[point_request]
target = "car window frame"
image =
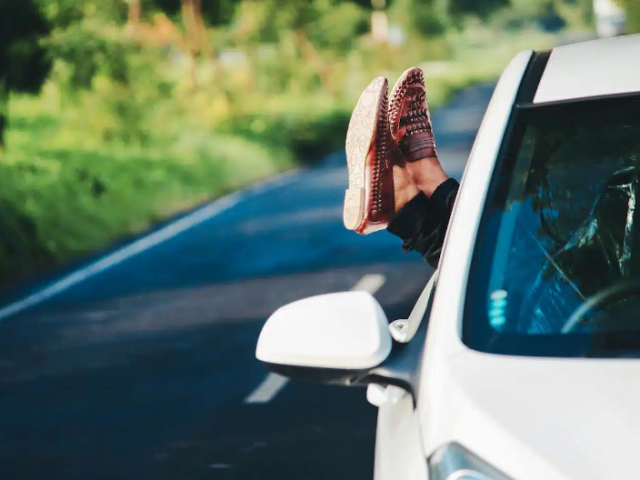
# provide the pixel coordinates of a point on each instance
(559, 345)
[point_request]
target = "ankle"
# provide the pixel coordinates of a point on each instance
(427, 174)
(405, 196)
(404, 188)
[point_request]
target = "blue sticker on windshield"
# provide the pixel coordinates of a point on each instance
(498, 305)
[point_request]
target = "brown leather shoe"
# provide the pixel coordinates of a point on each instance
(409, 119)
(369, 201)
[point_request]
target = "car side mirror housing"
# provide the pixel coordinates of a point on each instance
(333, 338)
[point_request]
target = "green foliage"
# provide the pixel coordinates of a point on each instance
(88, 47)
(546, 15)
(586, 11)
(256, 20)
(60, 199)
(632, 11)
(215, 13)
(337, 27)
(482, 9)
(309, 136)
(549, 19)
(427, 18)
(65, 13)
(24, 62)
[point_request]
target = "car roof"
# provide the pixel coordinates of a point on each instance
(591, 69)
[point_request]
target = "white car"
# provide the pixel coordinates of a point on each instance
(521, 359)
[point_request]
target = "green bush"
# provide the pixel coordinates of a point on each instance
(632, 11)
(307, 135)
(61, 201)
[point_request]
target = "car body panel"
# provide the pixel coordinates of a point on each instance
(546, 418)
(531, 418)
(591, 69)
(459, 414)
(399, 452)
(524, 416)
(443, 337)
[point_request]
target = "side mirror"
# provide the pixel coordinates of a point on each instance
(334, 338)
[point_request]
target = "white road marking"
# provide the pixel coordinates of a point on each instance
(370, 283)
(169, 231)
(269, 388)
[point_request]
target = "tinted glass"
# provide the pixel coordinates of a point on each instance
(556, 269)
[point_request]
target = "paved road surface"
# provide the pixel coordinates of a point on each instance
(142, 366)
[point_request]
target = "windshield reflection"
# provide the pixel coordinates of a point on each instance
(562, 228)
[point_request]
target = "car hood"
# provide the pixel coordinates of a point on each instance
(543, 418)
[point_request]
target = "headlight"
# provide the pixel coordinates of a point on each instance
(453, 462)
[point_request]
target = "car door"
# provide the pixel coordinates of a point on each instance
(398, 450)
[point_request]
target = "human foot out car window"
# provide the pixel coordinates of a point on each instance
(557, 263)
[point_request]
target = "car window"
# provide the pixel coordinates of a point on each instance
(558, 251)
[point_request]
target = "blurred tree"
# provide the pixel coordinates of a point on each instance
(64, 13)
(427, 18)
(214, 12)
(549, 20)
(632, 12)
(257, 25)
(156, 26)
(135, 12)
(482, 9)
(87, 37)
(586, 9)
(335, 27)
(196, 34)
(369, 4)
(317, 24)
(24, 65)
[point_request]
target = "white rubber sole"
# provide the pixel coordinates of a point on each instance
(361, 134)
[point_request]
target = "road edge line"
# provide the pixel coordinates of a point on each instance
(169, 231)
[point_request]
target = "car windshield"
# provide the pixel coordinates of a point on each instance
(556, 269)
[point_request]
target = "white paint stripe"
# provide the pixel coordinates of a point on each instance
(169, 231)
(268, 389)
(370, 283)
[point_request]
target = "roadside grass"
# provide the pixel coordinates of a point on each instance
(59, 201)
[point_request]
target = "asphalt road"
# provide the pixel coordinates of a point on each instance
(140, 363)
